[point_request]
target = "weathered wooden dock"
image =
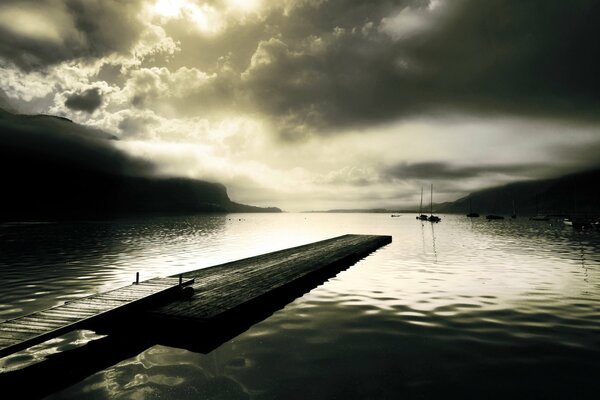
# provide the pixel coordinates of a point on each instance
(252, 286)
(223, 289)
(23, 332)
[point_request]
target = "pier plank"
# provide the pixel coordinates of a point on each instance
(19, 333)
(39, 323)
(44, 317)
(13, 336)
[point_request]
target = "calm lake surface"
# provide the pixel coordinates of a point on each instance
(460, 309)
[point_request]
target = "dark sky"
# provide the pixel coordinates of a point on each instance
(319, 104)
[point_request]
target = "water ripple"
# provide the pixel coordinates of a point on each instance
(467, 308)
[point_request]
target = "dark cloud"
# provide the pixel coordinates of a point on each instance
(88, 100)
(533, 58)
(447, 171)
(46, 32)
(341, 88)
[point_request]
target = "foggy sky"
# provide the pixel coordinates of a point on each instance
(316, 104)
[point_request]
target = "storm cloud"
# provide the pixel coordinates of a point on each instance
(442, 171)
(522, 58)
(87, 101)
(45, 32)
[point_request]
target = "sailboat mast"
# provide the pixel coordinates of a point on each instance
(431, 201)
(421, 206)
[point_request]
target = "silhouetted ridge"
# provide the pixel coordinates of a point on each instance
(53, 168)
(573, 194)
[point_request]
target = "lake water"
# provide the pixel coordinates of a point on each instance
(460, 309)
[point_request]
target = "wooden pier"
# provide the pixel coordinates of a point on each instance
(23, 332)
(224, 295)
(223, 289)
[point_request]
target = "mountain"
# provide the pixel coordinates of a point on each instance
(52, 168)
(573, 194)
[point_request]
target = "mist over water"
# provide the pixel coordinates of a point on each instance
(463, 308)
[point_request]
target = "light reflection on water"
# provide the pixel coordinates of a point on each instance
(473, 308)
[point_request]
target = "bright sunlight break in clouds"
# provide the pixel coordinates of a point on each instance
(318, 104)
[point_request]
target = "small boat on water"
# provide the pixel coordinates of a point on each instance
(432, 218)
(492, 216)
(472, 214)
(421, 216)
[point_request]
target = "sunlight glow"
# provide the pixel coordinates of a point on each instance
(204, 17)
(169, 8)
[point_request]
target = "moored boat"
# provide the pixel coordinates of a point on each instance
(421, 216)
(432, 218)
(472, 214)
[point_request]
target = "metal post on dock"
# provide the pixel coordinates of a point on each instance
(180, 279)
(137, 278)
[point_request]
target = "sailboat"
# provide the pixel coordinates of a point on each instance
(432, 218)
(421, 216)
(471, 214)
